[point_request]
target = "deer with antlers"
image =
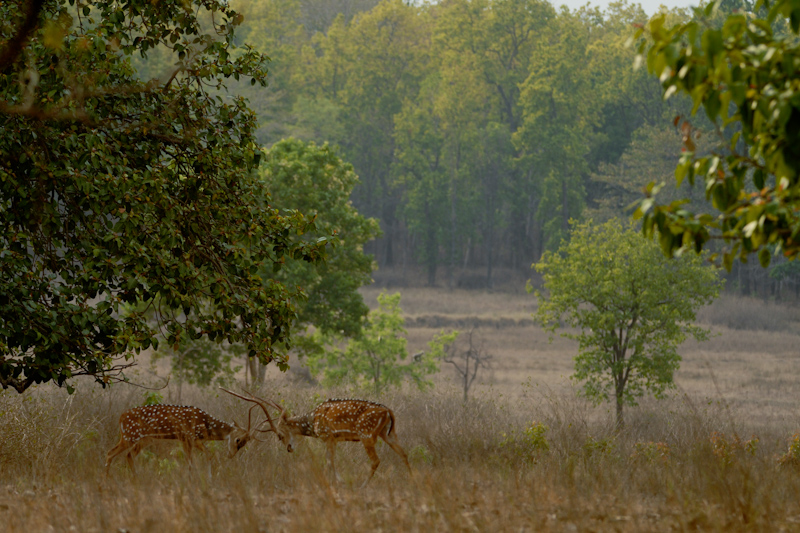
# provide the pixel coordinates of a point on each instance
(334, 421)
(189, 425)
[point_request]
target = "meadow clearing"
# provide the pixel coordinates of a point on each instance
(524, 454)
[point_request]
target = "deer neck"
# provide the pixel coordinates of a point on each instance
(218, 429)
(302, 425)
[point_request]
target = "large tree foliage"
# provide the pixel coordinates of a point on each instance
(367, 68)
(116, 192)
(560, 122)
(743, 71)
(422, 174)
(631, 307)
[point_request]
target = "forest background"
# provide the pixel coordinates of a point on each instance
(479, 128)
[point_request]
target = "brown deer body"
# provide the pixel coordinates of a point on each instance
(338, 420)
(189, 425)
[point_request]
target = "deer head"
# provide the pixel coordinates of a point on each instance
(283, 429)
(239, 436)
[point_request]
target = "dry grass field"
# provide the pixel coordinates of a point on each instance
(524, 454)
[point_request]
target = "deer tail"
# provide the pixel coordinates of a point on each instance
(390, 432)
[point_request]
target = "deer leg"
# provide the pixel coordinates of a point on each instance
(200, 446)
(369, 446)
(392, 441)
(132, 449)
(133, 452)
(188, 444)
(129, 458)
(331, 453)
(121, 447)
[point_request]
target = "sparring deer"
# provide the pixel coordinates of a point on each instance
(337, 420)
(190, 425)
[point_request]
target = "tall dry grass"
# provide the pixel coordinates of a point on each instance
(544, 461)
(514, 458)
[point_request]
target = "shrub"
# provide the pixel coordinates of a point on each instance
(530, 445)
(599, 447)
(651, 452)
(792, 456)
(729, 449)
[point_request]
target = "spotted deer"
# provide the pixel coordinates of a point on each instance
(189, 425)
(337, 420)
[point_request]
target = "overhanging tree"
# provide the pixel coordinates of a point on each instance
(742, 69)
(116, 192)
(631, 306)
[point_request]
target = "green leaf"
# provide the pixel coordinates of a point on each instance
(764, 257)
(712, 104)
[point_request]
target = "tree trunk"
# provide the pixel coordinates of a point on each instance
(431, 254)
(620, 417)
(466, 379)
(451, 264)
(489, 264)
(256, 370)
(453, 259)
(564, 207)
(489, 236)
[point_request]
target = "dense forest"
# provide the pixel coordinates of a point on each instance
(478, 128)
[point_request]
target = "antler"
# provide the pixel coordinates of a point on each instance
(263, 404)
(249, 416)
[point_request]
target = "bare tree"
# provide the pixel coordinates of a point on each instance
(468, 355)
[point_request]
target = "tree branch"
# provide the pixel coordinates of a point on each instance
(17, 43)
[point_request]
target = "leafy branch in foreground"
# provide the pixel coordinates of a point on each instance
(743, 70)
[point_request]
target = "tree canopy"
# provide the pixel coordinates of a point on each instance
(631, 306)
(117, 192)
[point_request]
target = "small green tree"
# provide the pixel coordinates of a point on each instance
(315, 181)
(375, 357)
(632, 307)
